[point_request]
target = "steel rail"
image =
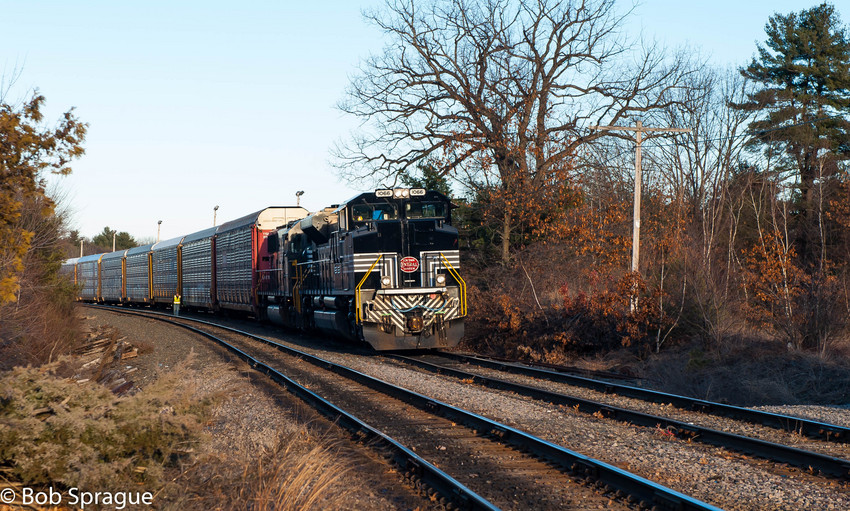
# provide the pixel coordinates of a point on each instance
(828, 465)
(408, 461)
(644, 491)
(567, 369)
(808, 427)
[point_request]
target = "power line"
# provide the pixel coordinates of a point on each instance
(752, 133)
(639, 130)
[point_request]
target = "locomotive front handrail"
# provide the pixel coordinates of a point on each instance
(460, 282)
(359, 285)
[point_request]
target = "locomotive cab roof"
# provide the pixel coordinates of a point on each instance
(416, 204)
(396, 194)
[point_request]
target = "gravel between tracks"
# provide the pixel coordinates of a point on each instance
(503, 475)
(838, 416)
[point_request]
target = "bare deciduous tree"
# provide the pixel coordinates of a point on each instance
(500, 91)
(697, 169)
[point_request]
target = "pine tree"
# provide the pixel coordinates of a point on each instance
(123, 240)
(803, 74)
(430, 177)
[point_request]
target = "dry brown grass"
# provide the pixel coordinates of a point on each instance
(296, 475)
(302, 470)
(255, 455)
(38, 329)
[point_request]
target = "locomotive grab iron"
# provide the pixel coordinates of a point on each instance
(383, 268)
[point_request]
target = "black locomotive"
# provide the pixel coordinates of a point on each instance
(382, 267)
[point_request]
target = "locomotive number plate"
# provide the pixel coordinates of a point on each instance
(409, 264)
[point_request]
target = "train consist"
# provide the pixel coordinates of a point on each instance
(380, 268)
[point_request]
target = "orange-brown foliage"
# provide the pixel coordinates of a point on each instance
(572, 293)
(624, 312)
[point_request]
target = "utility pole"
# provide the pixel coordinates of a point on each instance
(113, 240)
(639, 130)
(81, 248)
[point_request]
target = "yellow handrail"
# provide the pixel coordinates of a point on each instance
(460, 281)
(357, 289)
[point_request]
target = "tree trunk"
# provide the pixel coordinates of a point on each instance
(506, 239)
(806, 245)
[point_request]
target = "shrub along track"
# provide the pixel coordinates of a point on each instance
(484, 456)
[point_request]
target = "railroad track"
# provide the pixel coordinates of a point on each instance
(557, 368)
(811, 461)
(810, 428)
(493, 465)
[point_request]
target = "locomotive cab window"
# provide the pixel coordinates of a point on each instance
(362, 213)
(425, 210)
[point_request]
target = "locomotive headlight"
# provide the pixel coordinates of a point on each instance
(386, 281)
(441, 280)
(401, 193)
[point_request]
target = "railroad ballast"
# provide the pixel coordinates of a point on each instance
(383, 267)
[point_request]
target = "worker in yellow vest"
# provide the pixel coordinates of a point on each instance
(177, 300)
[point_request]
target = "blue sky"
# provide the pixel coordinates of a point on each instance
(196, 104)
